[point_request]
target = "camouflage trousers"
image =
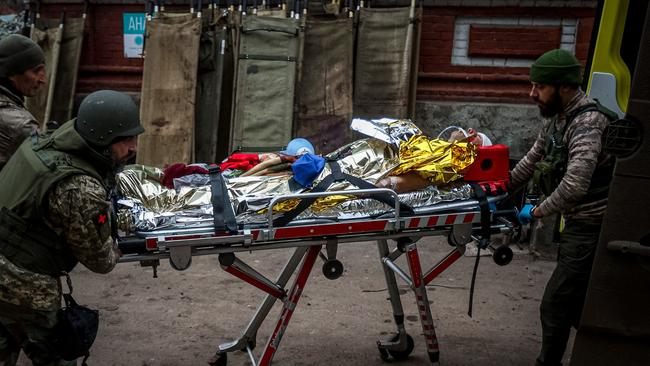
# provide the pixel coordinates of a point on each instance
(29, 330)
(565, 291)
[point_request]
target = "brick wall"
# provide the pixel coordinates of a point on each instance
(470, 50)
(102, 64)
(484, 53)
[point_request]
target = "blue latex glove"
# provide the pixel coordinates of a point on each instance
(525, 216)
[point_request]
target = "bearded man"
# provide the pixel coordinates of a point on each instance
(55, 211)
(570, 169)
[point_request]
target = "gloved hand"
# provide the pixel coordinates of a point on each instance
(525, 215)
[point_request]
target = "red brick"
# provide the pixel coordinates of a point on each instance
(512, 42)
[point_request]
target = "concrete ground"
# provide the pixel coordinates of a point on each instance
(180, 317)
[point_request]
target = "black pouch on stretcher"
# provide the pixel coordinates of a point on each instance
(551, 169)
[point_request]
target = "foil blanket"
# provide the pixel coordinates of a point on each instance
(397, 148)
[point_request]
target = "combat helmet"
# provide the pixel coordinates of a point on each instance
(107, 115)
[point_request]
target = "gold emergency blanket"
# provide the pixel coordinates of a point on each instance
(437, 160)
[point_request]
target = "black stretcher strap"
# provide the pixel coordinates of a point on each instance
(337, 176)
(483, 204)
(224, 217)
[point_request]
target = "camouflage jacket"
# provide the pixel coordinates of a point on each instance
(16, 123)
(74, 205)
(583, 139)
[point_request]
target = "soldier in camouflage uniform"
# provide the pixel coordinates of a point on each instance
(22, 74)
(573, 173)
(55, 212)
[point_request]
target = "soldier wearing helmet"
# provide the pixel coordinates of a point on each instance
(56, 212)
(572, 172)
(22, 74)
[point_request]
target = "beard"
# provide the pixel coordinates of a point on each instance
(552, 107)
(118, 164)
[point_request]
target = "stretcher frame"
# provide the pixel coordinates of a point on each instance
(459, 220)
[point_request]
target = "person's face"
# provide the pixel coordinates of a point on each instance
(548, 99)
(30, 81)
(123, 150)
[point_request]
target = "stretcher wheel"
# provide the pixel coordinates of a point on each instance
(502, 255)
(386, 354)
(180, 267)
(451, 240)
(402, 243)
(219, 359)
(332, 269)
(383, 353)
(251, 344)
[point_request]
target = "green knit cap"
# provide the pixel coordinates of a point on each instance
(19, 54)
(556, 67)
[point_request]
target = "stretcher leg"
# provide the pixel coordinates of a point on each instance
(289, 305)
(236, 267)
(399, 343)
(248, 338)
(444, 263)
(419, 286)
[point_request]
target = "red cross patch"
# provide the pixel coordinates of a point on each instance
(101, 219)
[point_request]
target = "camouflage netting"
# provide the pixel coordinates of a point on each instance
(9, 24)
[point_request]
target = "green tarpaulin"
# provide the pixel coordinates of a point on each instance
(325, 88)
(67, 68)
(169, 89)
(385, 59)
(269, 50)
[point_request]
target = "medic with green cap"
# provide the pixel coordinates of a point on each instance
(22, 74)
(572, 174)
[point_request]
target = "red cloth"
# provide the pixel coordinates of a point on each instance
(240, 161)
(179, 170)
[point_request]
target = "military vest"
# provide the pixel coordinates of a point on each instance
(551, 169)
(38, 164)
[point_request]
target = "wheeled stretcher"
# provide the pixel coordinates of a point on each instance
(463, 221)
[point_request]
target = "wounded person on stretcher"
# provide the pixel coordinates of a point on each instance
(415, 164)
(410, 163)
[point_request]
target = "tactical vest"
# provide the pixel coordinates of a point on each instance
(32, 172)
(551, 169)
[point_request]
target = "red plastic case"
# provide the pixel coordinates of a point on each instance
(491, 164)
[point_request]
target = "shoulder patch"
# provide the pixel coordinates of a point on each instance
(102, 218)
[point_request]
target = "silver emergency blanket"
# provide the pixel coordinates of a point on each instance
(368, 207)
(150, 206)
(147, 205)
(389, 130)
